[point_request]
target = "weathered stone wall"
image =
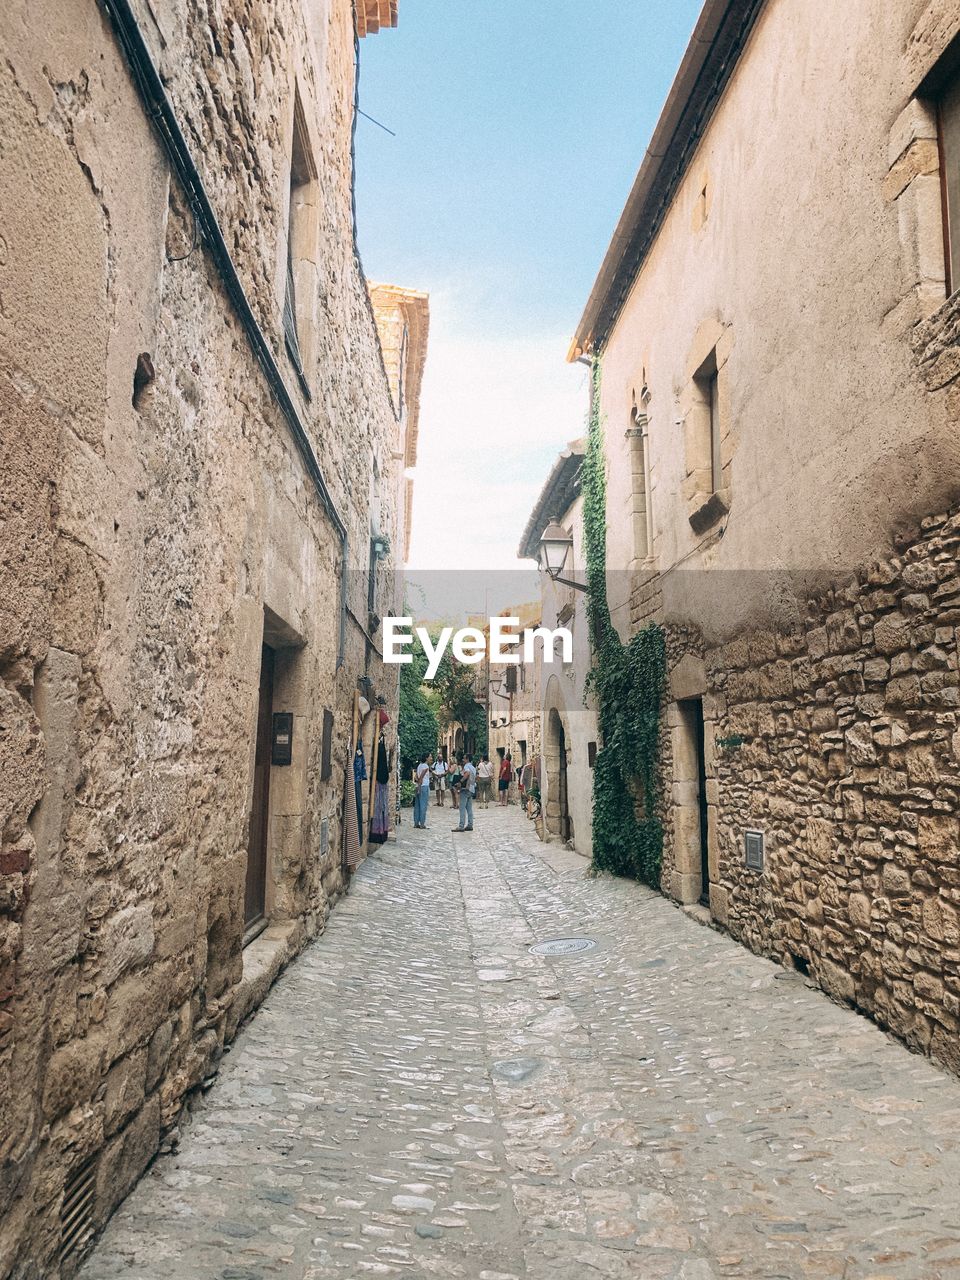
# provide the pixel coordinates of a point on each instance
(824, 318)
(158, 525)
(850, 765)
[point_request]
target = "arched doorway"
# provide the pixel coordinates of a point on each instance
(558, 819)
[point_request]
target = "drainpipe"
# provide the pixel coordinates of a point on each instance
(160, 110)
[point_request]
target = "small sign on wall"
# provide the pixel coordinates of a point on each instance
(282, 742)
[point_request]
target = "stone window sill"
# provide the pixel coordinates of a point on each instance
(706, 509)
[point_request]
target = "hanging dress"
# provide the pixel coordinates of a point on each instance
(380, 827)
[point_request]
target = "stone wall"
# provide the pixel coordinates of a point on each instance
(839, 739)
(158, 526)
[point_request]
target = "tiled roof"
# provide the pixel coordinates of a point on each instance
(374, 14)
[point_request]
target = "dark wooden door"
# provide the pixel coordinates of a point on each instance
(256, 885)
(562, 787)
(697, 707)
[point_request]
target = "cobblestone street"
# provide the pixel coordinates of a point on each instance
(420, 1096)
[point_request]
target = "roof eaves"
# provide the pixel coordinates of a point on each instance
(562, 486)
(714, 50)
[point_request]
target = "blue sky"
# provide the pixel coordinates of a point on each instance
(520, 127)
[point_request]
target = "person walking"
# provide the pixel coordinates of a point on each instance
(484, 781)
(506, 773)
(468, 789)
(440, 779)
(421, 799)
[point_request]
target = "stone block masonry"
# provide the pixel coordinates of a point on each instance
(839, 740)
(160, 526)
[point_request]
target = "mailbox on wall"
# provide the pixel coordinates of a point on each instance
(282, 742)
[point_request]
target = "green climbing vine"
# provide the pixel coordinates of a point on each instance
(627, 681)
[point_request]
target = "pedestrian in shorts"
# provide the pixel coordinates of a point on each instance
(484, 781)
(440, 779)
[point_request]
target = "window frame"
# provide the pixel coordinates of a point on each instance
(302, 239)
(950, 210)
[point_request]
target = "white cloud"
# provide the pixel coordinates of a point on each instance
(495, 412)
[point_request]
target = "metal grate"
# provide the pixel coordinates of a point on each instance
(753, 850)
(562, 946)
(76, 1212)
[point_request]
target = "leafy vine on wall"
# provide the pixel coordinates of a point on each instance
(627, 681)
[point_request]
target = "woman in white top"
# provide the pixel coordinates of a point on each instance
(440, 779)
(421, 777)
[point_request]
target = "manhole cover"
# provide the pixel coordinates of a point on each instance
(562, 946)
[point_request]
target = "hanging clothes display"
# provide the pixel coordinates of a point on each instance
(359, 777)
(380, 826)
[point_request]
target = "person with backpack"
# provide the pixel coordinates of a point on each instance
(440, 778)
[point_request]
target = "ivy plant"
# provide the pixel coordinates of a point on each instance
(627, 681)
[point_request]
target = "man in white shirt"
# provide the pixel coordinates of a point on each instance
(440, 779)
(468, 789)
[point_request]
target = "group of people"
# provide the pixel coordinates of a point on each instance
(464, 780)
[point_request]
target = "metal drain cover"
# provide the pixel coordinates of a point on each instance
(562, 946)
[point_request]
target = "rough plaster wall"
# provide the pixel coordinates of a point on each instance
(802, 256)
(840, 673)
(140, 547)
(562, 688)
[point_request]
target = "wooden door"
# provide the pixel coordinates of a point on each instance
(256, 885)
(562, 787)
(698, 728)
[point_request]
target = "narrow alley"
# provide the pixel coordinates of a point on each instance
(421, 1096)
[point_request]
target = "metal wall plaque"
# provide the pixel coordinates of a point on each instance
(282, 741)
(753, 842)
(324, 836)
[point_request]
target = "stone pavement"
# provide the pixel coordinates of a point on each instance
(422, 1097)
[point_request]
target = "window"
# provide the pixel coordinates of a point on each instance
(707, 379)
(708, 435)
(372, 576)
(948, 121)
(326, 749)
(300, 283)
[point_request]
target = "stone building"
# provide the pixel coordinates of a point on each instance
(568, 721)
(513, 699)
(777, 328)
(203, 508)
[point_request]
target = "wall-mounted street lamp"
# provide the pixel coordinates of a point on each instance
(496, 686)
(555, 544)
